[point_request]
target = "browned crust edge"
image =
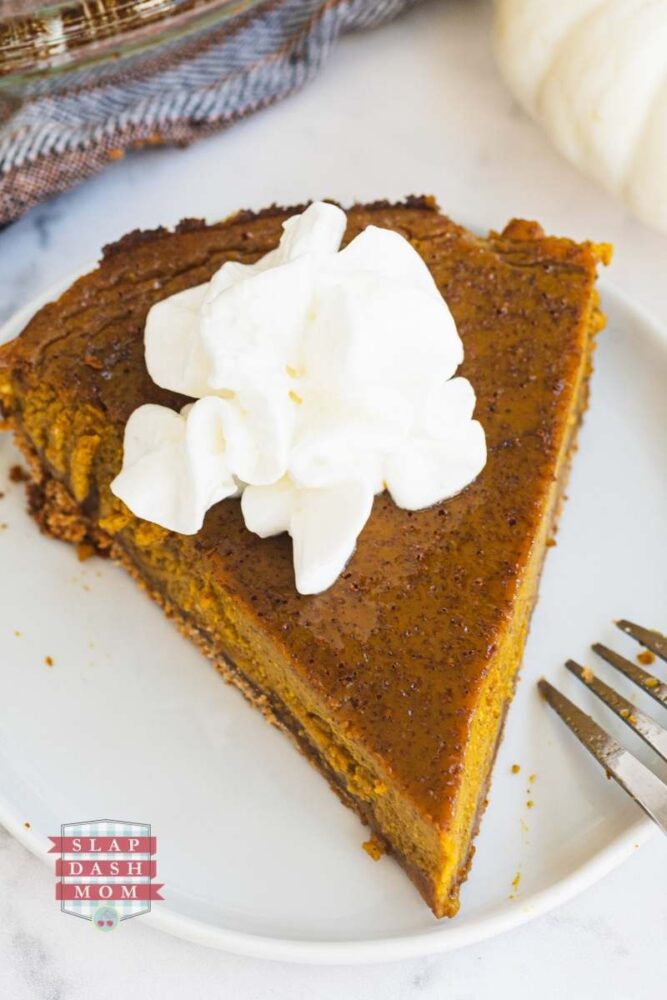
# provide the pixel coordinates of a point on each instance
(421, 202)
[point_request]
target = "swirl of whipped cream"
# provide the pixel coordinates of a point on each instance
(321, 377)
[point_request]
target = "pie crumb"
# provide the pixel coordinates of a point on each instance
(587, 675)
(84, 551)
(17, 474)
(646, 657)
(27, 824)
(373, 848)
(48, 660)
(515, 768)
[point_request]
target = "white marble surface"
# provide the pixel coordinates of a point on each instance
(416, 106)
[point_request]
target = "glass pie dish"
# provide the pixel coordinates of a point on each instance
(46, 47)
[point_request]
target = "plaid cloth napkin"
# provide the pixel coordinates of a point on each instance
(65, 134)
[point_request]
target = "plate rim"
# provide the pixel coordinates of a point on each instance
(445, 936)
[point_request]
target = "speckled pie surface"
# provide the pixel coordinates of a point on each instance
(399, 650)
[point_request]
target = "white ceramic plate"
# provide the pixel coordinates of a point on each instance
(257, 855)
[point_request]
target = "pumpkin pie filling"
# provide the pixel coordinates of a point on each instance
(395, 681)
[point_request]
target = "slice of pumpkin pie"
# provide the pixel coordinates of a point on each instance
(386, 634)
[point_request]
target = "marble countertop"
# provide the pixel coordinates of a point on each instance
(416, 106)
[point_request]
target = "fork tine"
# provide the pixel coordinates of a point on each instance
(647, 682)
(647, 637)
(641, 784)
(639, 721)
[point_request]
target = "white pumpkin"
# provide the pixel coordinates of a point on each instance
(594, 73)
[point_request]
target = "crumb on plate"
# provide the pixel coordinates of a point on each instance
(373, 848)
(84, 550)
(17, 474)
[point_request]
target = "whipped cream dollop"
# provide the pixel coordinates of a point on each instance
(321, 377)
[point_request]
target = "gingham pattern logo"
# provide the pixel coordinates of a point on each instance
(105, 870)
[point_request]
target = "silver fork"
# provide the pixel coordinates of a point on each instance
(639, 782)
